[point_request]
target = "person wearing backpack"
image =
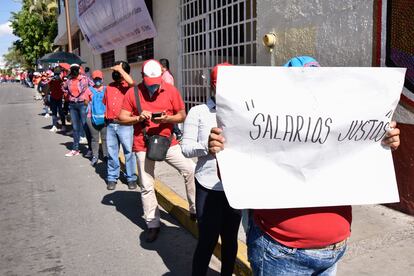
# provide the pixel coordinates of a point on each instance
(96, 117)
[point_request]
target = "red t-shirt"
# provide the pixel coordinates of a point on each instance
(167, 99)
(113, 98)
(74, 87)
(306, 227)
(55, 87)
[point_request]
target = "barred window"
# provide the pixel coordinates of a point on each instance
(108, 59)
(140, 51)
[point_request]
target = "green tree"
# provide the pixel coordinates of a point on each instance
(36, 27)
(15, 59)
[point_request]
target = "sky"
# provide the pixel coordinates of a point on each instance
(6, 36)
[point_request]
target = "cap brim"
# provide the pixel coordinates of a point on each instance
(152, 81)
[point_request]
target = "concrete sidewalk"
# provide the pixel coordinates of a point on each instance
(382, 240)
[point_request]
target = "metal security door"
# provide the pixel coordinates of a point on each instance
(211, 32)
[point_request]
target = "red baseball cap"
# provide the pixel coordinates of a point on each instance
(64, 65)
(152, 72)
(214, 71)
(97, 74)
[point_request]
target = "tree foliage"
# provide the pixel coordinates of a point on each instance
(15, 59)
(36, 27)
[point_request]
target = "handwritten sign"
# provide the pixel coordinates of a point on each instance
(306, 137)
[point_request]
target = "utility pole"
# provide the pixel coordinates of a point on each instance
(69, 33)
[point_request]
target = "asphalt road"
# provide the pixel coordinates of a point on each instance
(56, 216)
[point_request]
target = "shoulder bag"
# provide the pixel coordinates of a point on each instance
(157, 145)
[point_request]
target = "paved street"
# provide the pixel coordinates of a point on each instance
(56, 216)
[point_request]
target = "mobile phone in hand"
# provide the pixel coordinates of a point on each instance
(156, 115)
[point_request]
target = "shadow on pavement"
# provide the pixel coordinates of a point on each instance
(101, 170)
(174, 246)
(68, 131)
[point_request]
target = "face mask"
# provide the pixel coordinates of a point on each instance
(116, 76)
(74, 72)
(152, 88)
(97, 82)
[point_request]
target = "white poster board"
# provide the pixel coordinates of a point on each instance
(306, 137)
(111, 24)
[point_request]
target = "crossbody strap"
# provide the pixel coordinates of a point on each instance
(139, 108)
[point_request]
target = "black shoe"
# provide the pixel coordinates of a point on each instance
(94, 161)
(132, 185)
(152, 234)
(193, 217)
(111, 185)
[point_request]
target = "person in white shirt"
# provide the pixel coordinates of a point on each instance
(215, 217)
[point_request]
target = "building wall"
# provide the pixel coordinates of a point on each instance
(337, 33)
(166, 21)
(61, 38)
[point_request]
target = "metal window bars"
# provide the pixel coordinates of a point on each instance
(211, 32)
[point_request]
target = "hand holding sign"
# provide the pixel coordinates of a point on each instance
(313, 139)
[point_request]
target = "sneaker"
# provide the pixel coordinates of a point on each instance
(53, 129)
(111, 185)
(72, 153)
(47, 115)
(132, 185)
(89, 154)
(83, 141)
(94, 161)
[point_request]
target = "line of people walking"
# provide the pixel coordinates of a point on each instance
(141, 118)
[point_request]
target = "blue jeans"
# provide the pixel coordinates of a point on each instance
(78, 115)
(268, 257)
(123, 134)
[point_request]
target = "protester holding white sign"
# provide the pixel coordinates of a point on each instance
(215, 216)
(305, 241)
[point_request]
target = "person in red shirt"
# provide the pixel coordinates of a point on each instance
(159, 97)
(116, 132)
(76, 88)
(299, 241)
(36, 80)
(55, 94)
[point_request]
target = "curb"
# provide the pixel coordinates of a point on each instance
(177, 207)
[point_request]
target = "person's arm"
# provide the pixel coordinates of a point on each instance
(177, 118)
(190, 145)
(127, 117)
(124, 74)
(87, 96)
(392, 137)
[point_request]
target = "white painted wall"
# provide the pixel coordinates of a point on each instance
(166, 21)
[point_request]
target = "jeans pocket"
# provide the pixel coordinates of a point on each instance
(276, 250)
